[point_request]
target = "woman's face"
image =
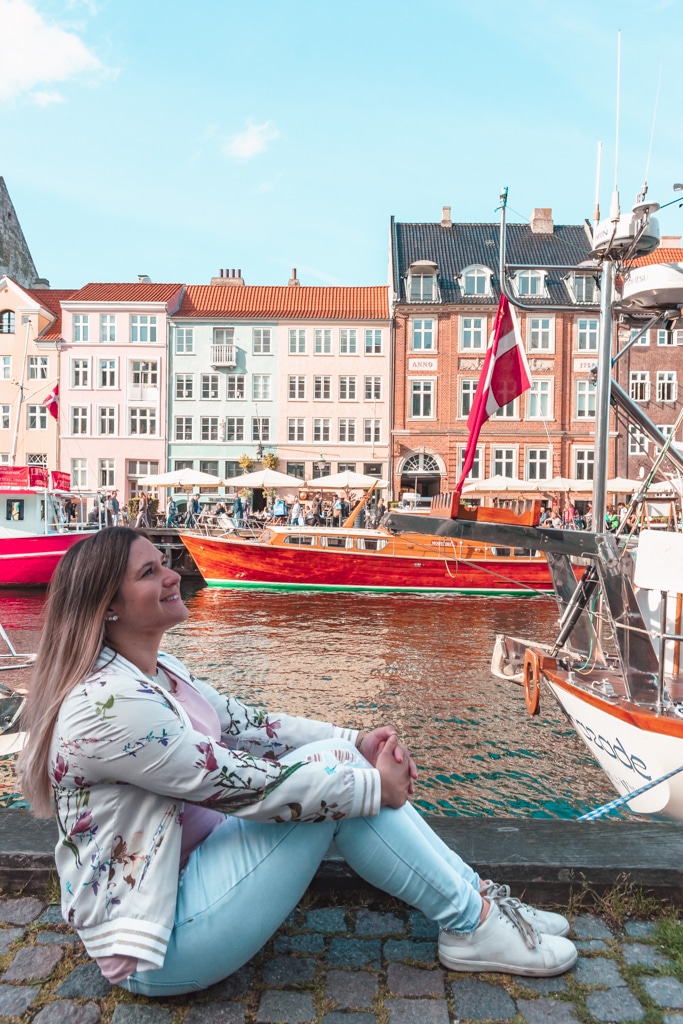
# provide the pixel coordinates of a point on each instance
(148, 600)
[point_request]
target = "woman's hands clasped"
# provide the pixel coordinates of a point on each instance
(397, 770)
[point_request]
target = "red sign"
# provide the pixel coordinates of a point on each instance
(61, 481)
(23, 476)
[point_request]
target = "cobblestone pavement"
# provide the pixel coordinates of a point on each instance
(342, 964)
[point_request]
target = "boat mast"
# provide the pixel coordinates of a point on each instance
(602, 405)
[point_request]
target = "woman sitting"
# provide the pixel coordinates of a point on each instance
(190, 825)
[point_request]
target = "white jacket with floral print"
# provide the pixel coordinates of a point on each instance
(125, 757)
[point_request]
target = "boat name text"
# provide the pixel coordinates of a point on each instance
(614, 750)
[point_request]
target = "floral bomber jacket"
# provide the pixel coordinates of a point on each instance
(125, 758)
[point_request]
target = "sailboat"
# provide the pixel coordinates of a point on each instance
(615, 666)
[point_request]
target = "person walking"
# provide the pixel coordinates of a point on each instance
(172, 515)
(113, 508)
(178, 807)
(142, 520)
(237, 511)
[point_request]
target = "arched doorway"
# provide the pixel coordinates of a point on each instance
(422, 473)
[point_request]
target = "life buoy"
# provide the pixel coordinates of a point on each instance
(532, 677)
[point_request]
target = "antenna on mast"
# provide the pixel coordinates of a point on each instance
(641, 197)
(614, 209)
(596, 212)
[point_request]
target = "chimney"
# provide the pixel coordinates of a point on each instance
(446, 221)
(294, 281)
(670, 242)
(40, 282)
(144, 279)
(541, 221)
(228, 277)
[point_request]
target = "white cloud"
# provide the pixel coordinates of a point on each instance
(45, 99)
(252, 141)
(35, 53)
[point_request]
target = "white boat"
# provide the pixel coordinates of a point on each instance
(12, 697)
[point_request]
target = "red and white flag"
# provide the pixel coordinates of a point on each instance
(504, 376)
(52, 402)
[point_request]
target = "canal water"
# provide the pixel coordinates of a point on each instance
(419, 662)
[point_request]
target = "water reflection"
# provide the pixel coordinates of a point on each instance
(421, 662)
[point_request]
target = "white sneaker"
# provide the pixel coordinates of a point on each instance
(544, 921)
(506, 942)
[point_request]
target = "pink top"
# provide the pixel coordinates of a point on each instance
(198, 822)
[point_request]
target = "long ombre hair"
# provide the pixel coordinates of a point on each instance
(84, 584)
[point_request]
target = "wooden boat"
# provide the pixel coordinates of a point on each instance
(34, 533)
(382, 559)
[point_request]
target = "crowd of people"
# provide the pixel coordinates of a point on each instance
(570, 518)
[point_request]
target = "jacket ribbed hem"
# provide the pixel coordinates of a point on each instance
(128, 936)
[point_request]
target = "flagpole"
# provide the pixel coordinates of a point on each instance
(22, 387)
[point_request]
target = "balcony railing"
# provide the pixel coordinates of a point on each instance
(223, 355)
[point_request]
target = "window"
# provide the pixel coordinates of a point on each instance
(79, 473)
(540, 334)
(421, 394)
(540, 400)
(346, 467)
(322, 388)
(321, 430)
(80, 327)
(184, 340)
(323, 342)
(261, 341)
(107, 328)
(37, 367)
(423, 335)
(667, 386)
(209, 466)
(232, 469)
(143, 421)
(347, 389)
(183, 428)
(235, 386)
(209, 428)
(260, 387)
(80, 373)
(638, 442)
(373, 469)
(234, 428)
(107, 419)
(585, 288)
(584, 463)
(587, 335)
(473, 333)
(507, 412)
(373, 389)
(295, 429)
(373, 343)
(504, 462)
(639, 385)
(347, 431)
(476, 472)
(585, 399)
(538, 464)
(106, 474)
(476, 281)
(223, 336)
(644, 338)
(260, 428)
(107, 373)
(6, 367)
(529, 282)
(7, 322)
(209, 386)
(37, 418)
(321, 469)
(669, 337)
(372, 431)
(184, 385)
(296, 469)
(36, 459)
(138, 468)
(297, 387)
(467, 391)
(5, 417)
(143, 328)
(297, 341)
(422, 288)
(144, 374)
(348, 341)
(80, 414)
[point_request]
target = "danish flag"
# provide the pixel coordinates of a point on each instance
(52, 402)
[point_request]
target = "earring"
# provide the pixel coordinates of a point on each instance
(112, 618)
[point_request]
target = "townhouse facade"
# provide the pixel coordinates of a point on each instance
(446, 292)
(301, 372)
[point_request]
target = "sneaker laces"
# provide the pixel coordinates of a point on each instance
(510, 909)
(493, 890)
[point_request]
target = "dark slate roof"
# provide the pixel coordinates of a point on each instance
(463, 245)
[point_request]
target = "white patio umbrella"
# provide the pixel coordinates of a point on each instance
(347, 479)
(188, 479)
(266, 479)
(622, 485)
(501, 485)
(566, 483)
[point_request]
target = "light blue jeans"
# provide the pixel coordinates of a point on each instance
(246, 877)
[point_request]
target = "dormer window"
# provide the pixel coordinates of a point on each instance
(530, 282)
(584, 287)
(421, 282)
(476, 280)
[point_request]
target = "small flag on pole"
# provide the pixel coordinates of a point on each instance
(52, 402)
(504, 376)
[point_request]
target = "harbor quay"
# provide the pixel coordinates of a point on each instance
(348, 954)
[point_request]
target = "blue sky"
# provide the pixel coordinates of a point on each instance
(175, 139)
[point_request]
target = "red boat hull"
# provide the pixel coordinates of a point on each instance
(30, 561)
(240, 562)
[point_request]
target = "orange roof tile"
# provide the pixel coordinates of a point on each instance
(284, 302)
(658, 256)
(51, 299)
(125, 292)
